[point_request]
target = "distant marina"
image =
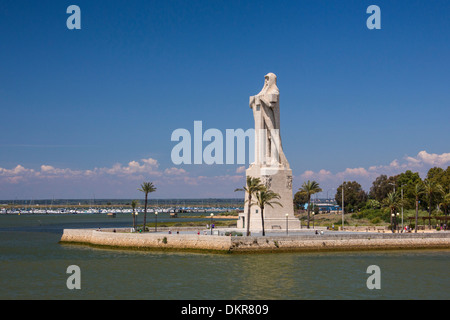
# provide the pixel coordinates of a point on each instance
(119, 206)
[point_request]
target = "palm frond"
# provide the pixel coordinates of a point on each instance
(309, 188)
(147, 187)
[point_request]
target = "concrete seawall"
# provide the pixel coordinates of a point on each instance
(327, 242)
(147, 240)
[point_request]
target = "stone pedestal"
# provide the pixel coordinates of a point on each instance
(279, 180)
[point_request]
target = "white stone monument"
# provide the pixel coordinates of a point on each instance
(270, 165)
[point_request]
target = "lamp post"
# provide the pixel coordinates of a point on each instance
(313, 220)
(392, 226)
(287, 215)
(343, 206)
(402, 204)
(156, 221)
(392, 184)
(328, 191)
(396, 221)
(212, 214)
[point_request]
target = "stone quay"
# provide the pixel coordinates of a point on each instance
(187, 240)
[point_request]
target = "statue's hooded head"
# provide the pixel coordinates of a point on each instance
(270, 84)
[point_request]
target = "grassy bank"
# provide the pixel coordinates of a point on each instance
(367, 217)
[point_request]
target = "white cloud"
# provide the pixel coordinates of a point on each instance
(170, 178)
(118, 175)
(394, 164)
(432, 159)
(18, 170)
(175, 171)
(308, 174)
(421, 163)
(52, 171)
(240, 169)
(354, 172)
(320, 176)
(146, 166)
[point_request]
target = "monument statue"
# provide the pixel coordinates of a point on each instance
(270, 164)
(266, 112)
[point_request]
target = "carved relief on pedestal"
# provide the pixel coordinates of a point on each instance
(289, 182)
(267, 181)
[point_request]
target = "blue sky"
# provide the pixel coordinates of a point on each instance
(355, 102)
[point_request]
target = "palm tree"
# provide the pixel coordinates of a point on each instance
(418, 190)
(392, 202)
(253, 185)
(266, 197)
(308, 189)
(431, 188)
(446, 202)
(146, 187)
(134, 204)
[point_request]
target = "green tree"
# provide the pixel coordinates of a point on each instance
(265, 197)
(393, 202)
(419, 189)
(407, 181)
(446, 202)
(355, 197)
(300, 200)
(436, 175)
(253, 185)
(440, 177)
(146, 188)
(372, 203)
(445, 181)
(134, 204)
(382, 186)
(432, 189)
(308, 189)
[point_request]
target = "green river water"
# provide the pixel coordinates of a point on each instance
(33, 266)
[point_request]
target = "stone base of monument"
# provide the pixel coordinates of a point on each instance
(279, 180)
(270, 224)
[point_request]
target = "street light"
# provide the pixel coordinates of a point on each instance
(156, 218)
(392, 222)
(211, 226)
(392, 184)
(396, 222)
(313, 219)
(343, 206)
(287, 215)
(328, 191)
(402, 204)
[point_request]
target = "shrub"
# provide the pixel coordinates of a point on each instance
(371, 214)
(375, 220)
(373, 204)
(234, 234)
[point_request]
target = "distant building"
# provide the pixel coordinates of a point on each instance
(324, 205)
